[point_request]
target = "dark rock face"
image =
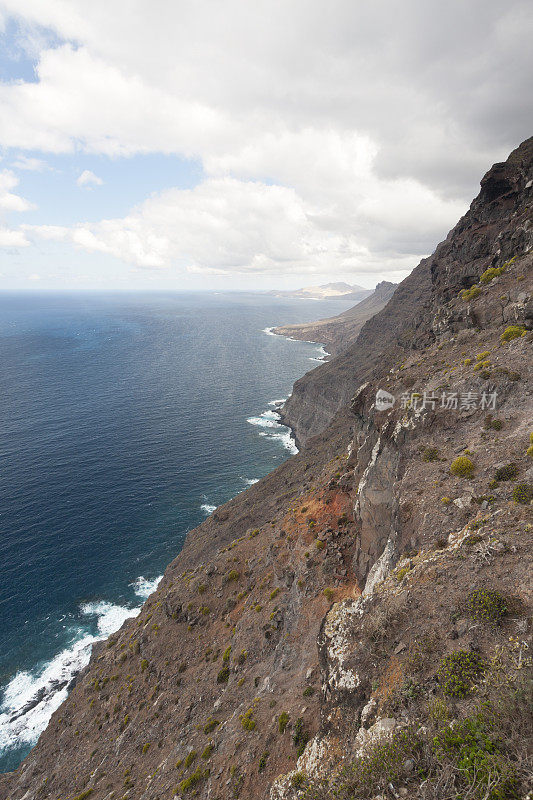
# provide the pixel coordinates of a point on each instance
(496, 227)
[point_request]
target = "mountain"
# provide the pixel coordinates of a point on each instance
(357, 623)
(323, 292)
(340, 331)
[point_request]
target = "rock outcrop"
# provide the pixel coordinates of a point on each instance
(348, 625)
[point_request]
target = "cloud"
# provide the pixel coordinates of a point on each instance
(30, 164)
(89, 179)
(348, 139)
(12, 238)
(228, 226)
(8, 200)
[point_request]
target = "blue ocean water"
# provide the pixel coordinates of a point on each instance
(125, 420)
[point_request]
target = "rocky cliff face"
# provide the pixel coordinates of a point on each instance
(337, 333)
(353, 624)
(496, 227)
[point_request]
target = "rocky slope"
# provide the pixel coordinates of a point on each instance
(340, 331)
(354, 624)
(495, 227)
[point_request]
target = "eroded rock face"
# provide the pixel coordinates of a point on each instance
(496, 228)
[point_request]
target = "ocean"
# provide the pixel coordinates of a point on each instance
(126, 419)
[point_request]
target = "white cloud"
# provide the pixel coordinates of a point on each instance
(30, 164)
(228, 226)
(89, 179)
(348, 138)
(12, 238)
(8, 200)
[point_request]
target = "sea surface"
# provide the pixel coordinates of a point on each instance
(125, 420)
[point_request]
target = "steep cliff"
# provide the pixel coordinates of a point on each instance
(494, 228)
(354, 623)
(337, 333)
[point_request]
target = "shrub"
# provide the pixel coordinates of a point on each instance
(401, 573)
(274, 593)
(430, 454)
(506, 473)
(470, 294)
(189, 758)
(320, 545)
(208, 750)
(328, 593)
(194, 779)
(262, 762)
(482, 356)
(462, 467)
(486, 606)
(446, 500)
(283, 720)
(210, 725)
(223, 675)
(146, 747)
(470, 748)
(298, 780)
(144, 664)
(529, 451)
(458, 671)
(226, 654)
(247, 720)
(308, 691)
(494, 424)
(512, 332)
(490, 274)
(202, 588)
(233, 575)
(300, 737)
(523, 494)
(241, 658)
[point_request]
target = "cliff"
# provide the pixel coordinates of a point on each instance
(356, 624)
(340, 331)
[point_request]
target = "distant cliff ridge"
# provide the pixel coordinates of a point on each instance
(324, 291)
(357, 624)
(337, 333)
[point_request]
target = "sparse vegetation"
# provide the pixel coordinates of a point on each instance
(458, 671)
(523, 494)
(462, 467)
(485, 605)
(506, 473)
(512, 332)
(283, 720)
(328, 593)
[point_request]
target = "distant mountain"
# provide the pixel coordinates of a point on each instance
(341, 331)
(324, 291)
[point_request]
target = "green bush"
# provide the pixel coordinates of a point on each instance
(523, 494)
(512, 332)
(247, 720)
(506, 473)
(210, 725)
(189, 758)
(308, 691)
(458, 671)
(208, 750)
(328, 593)
(469, 746)
(146, 747)
(490, 274)
(430, 454)
(462, 467)
(194, 779)
(283, 720)
(470, 294)
(300, 737)
(262, 762)
(485, 605)
(223, 675)
(233, 575)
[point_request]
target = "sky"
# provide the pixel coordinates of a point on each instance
(229, 144)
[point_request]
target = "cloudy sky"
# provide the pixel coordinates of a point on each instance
(248, 143)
